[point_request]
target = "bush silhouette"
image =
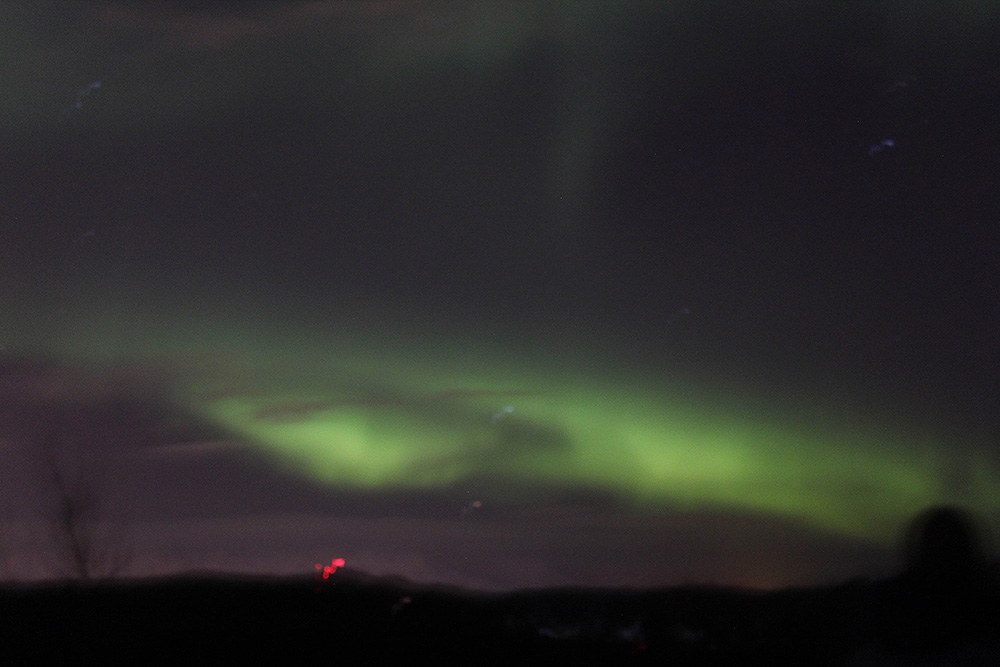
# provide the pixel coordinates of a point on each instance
(941, 595)
(943, 550)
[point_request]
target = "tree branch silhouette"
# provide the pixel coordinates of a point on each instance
(86, 542)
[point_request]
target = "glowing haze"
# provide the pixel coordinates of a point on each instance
(454, 413)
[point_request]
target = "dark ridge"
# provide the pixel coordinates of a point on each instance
(353, 617)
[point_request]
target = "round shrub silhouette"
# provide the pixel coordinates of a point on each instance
(943, 548)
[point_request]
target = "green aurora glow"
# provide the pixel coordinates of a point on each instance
(398, 419)
(395, 416)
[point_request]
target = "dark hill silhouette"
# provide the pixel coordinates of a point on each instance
(943, 605)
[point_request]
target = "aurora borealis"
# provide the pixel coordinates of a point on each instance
(423, 428)
(402, 282)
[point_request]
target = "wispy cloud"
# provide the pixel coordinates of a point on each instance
(199, 29)
(192, 449)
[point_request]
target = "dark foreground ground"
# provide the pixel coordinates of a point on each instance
(352, 618)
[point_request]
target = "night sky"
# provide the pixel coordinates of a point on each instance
(498, 294)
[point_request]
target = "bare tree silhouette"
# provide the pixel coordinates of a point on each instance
(88, 543)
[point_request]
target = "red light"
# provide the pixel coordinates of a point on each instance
(331, 568)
